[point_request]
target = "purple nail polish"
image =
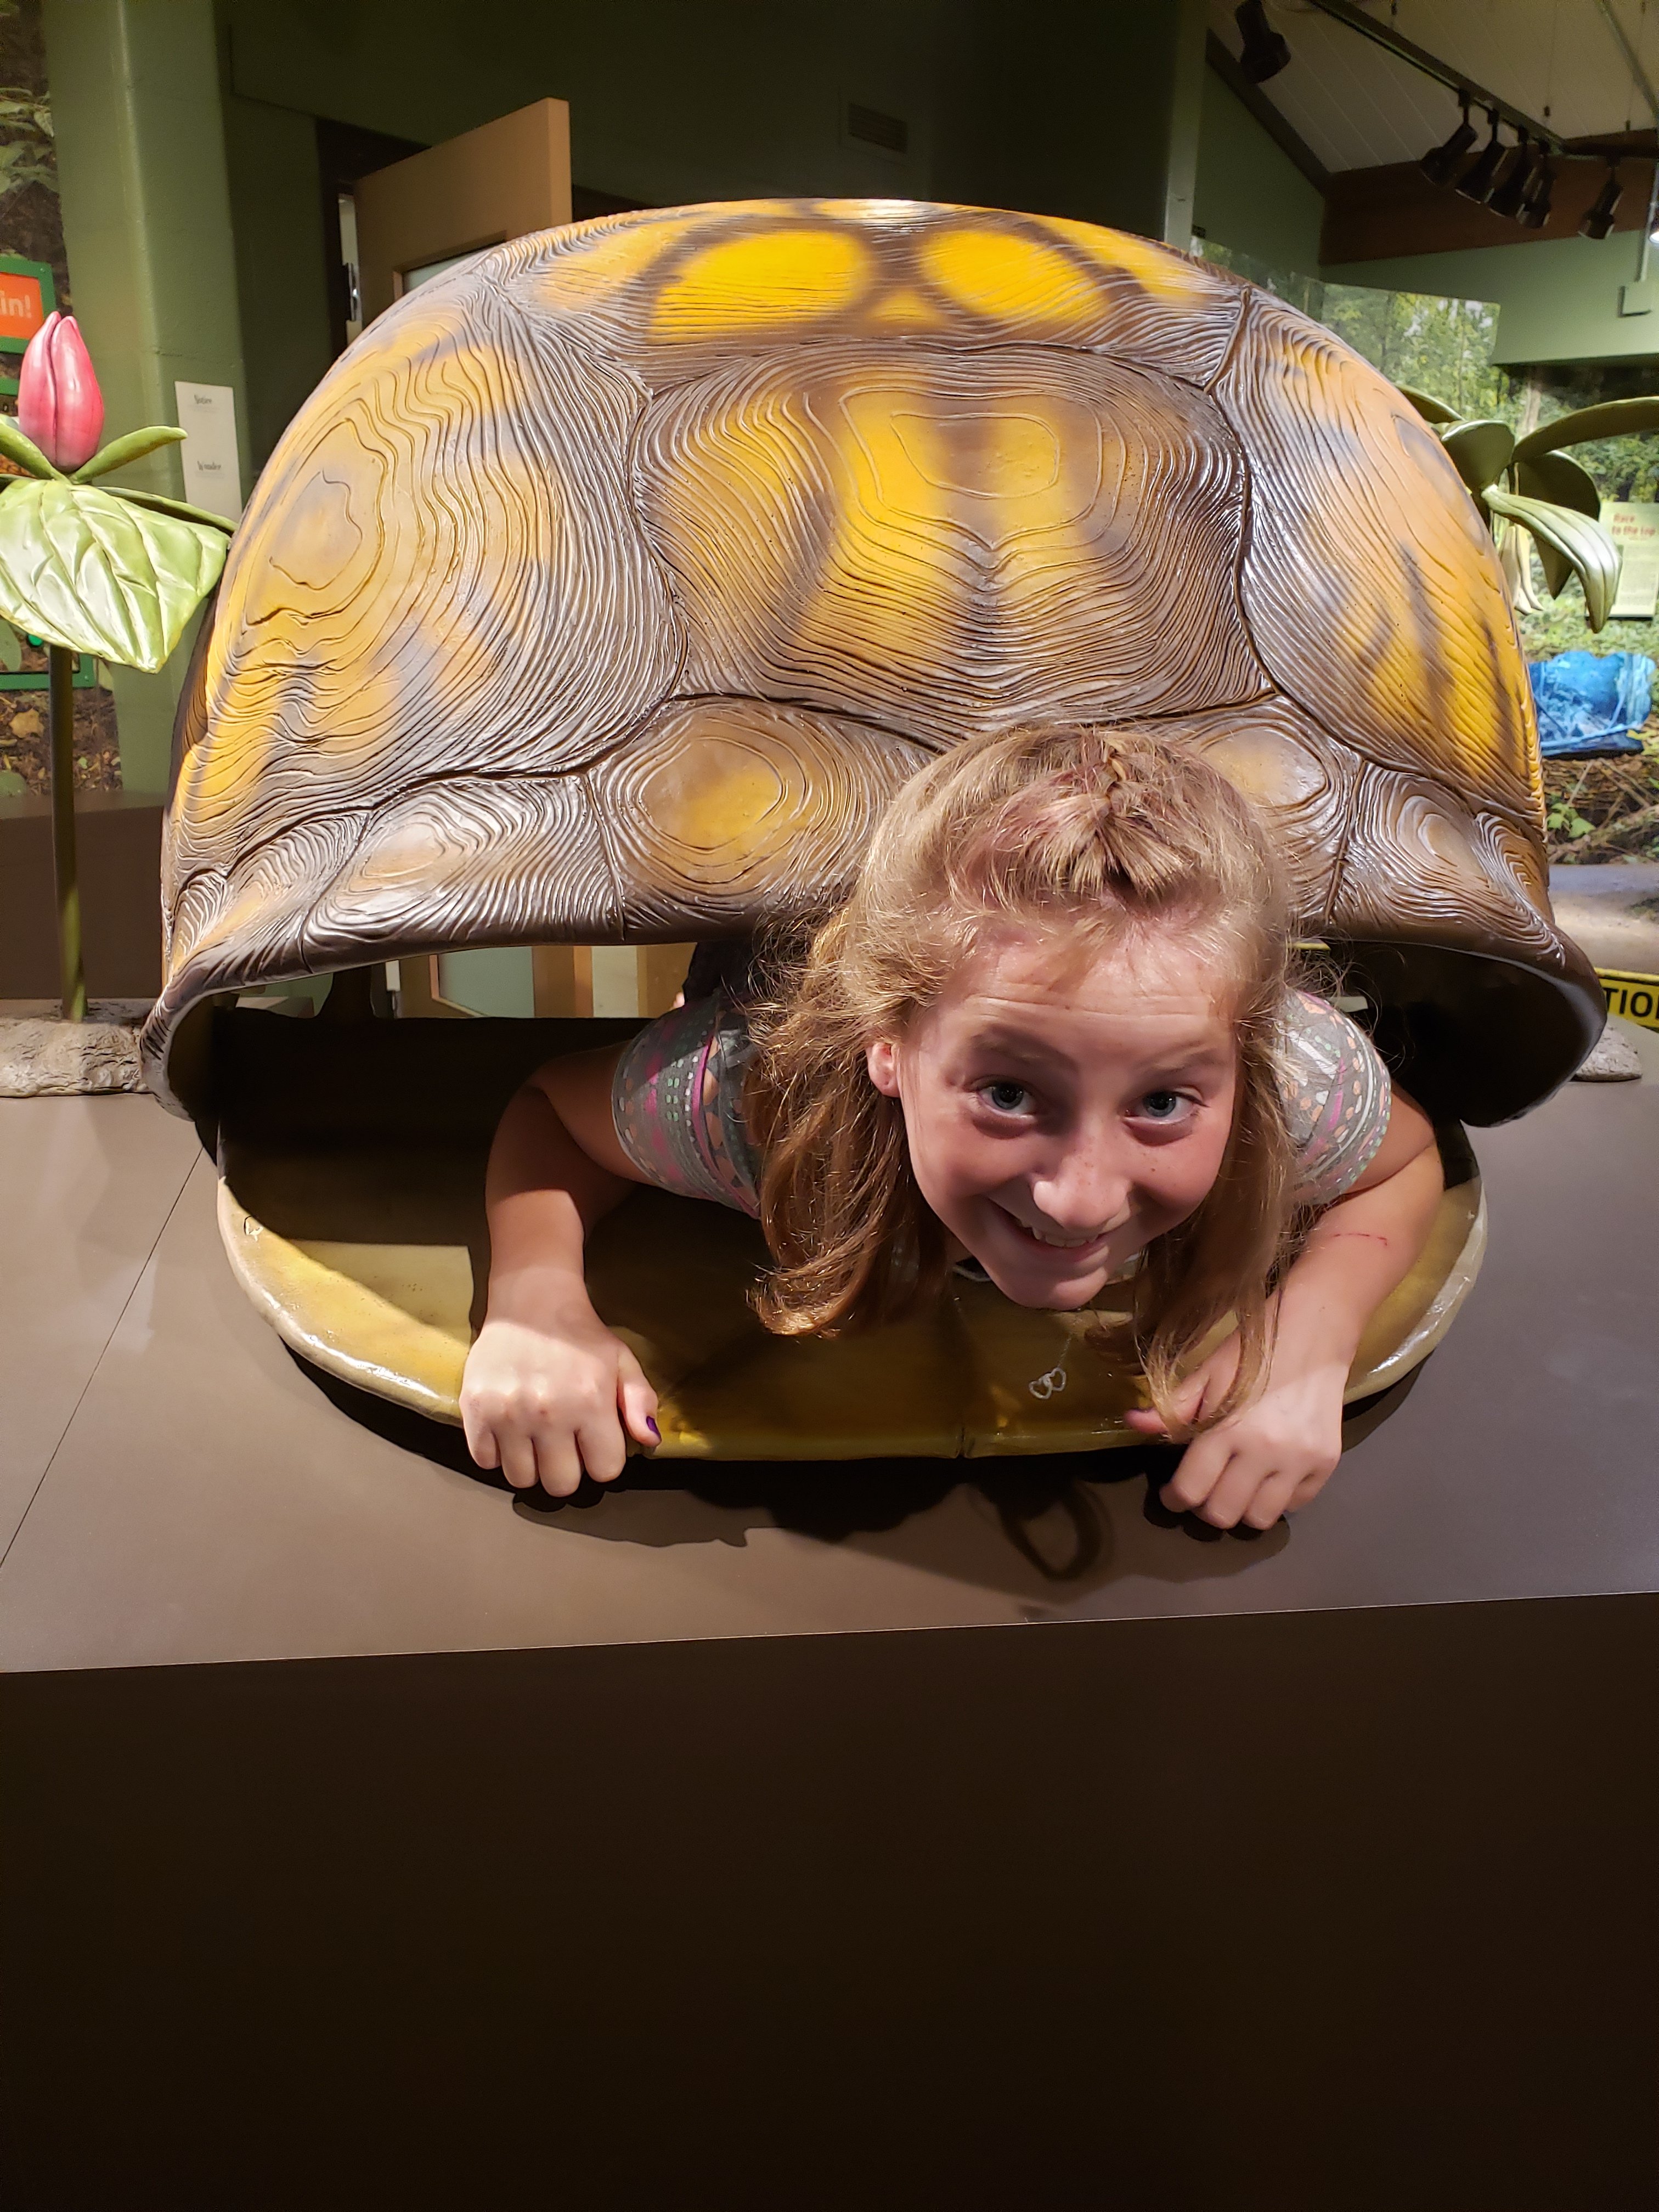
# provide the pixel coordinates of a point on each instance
(656, 1433)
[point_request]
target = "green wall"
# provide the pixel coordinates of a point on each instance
(1078, 107)
(1558, 298)
(725, 98)
(1250, 195)
(134, 87)
(281, 278)
(669, 100)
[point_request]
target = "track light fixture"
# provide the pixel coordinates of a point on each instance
(1535, 207)
(1441, 163)
(1599, 222)
(1264, 51)
(1509, 196)
(1478, 180)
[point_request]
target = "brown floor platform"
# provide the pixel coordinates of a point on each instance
(1609, 908)
(659, 1859)
(207, 1502)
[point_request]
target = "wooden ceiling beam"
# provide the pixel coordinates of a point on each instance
(1374, 215)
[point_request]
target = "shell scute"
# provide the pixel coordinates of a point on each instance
(443, 555)
(742, 809)
(253, 920)
(1373, 593)
(947, 545)
(1423, 863)
(475, 858)
(692, 288)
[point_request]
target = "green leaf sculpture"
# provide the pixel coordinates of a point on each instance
(87, 571)
(1614, 418)
(1431, 409)
(1545, 493)
(1480, 452)
(121, 451)
(24, 451)
(1556, 477)
(1578, 545)
(182, 508)
(90, 569)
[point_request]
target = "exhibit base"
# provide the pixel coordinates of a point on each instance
(363, 1243)
(901, 1833)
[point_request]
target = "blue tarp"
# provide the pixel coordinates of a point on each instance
(1589, 703)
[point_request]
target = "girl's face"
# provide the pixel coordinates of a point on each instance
(1061, 1112)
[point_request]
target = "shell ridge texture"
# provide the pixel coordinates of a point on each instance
(488, 556)
(1324, 598)
(601, 832)
(610, 586)
(950, 552)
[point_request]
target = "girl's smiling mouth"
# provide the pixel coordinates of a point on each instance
(1056, 1241)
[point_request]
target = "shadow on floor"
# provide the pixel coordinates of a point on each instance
(1057, 1518)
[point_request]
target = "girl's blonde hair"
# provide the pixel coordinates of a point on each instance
(1109, 833)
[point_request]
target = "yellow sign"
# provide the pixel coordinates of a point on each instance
(1633, 524)
(1635, 997)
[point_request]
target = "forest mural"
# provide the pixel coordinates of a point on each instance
(1444, 346)
(31, 225)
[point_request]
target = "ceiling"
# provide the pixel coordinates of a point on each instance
(1357, 106)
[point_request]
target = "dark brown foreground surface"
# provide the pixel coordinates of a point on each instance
(945, 1836)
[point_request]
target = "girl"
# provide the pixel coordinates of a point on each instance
(1051, 1037)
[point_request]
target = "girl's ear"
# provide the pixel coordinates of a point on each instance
(881, 1060)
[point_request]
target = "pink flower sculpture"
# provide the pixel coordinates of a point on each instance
(88, 567)
(59, 403)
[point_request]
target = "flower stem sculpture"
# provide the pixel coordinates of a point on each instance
(1543, 491)
(112, 571)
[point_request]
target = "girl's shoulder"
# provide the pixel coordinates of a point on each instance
(677, 1102)
(1336, 1095)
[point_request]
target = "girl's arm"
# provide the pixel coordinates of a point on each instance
(548, 1390)
(1277, 1452)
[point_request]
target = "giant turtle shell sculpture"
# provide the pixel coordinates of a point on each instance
(606, 590)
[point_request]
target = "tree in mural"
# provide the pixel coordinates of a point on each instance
(105, 570)
(1417, 338)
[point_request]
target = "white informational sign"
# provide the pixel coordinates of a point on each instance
(1633, 524)
(213, 467)
(616, 981)
(409, 279)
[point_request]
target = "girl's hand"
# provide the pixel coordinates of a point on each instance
(1273, 1455)
(1277, 1452)
(544, 1403)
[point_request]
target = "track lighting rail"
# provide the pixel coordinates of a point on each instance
(1465, 88)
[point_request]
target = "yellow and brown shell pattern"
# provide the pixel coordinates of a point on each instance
(608, 586)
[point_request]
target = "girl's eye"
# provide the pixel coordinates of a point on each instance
(1007, 1097)
(1162, 1105)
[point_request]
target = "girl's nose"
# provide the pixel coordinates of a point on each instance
(1084, 1190)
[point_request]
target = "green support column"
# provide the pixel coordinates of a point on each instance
(1078, 107)
(141, 156)
(1181, 81)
